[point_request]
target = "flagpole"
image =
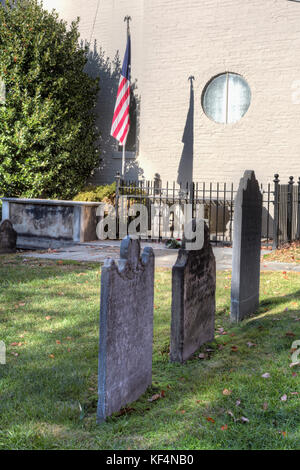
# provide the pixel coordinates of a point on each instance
(123, 160)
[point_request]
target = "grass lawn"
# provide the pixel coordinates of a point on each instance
(49, 314)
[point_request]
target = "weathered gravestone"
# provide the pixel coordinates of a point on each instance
(193, 300)
(8, 237)
(246, 248)
(126, 328)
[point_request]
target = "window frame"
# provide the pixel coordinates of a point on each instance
(227, 74)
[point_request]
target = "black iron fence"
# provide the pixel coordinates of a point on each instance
(286, 211)
(212, 201)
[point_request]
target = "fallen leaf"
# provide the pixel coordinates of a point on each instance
(58, 342)
(251, 345)
(234, 348)
(290, 333)
(293, 364)
(227, 392)
(266, 375)
(202, 356)
(48, 317)
(211, 420)
(229, 412)
(52, 356)
(155, 397)
(124, 411)
(244, 420)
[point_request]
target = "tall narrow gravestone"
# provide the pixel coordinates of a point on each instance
(8, 237)
(193, 300)
(246, 248)
(126, 328)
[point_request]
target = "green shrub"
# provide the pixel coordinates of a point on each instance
(97, 193)
(47, 124)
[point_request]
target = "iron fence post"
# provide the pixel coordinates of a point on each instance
(276, 212)
(192, 198)
(117, 178)
(298, 211)
(290, 209)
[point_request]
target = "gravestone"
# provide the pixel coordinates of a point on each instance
(126, 328)
(246, 248)
(193, 300)
(8, 237)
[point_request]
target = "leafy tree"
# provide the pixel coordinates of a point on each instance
(48, 133)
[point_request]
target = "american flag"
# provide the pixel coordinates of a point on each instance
(121, 123)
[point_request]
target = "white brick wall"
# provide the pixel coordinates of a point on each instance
(173, 39)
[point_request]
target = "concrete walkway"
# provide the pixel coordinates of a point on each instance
(99, 250)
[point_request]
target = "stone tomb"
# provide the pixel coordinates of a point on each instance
(193, 300)
(126, 328)
(246, 248)
(8, 237)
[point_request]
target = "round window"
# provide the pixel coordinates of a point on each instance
(226, 98)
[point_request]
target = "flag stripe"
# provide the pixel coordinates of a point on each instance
(122, 129)
(116, 132)
(121, 91)
(122, 82)
(120, 103)
(124, 135)
(121, 122)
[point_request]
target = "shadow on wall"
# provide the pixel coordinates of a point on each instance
(185, 169)
(108, 71)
